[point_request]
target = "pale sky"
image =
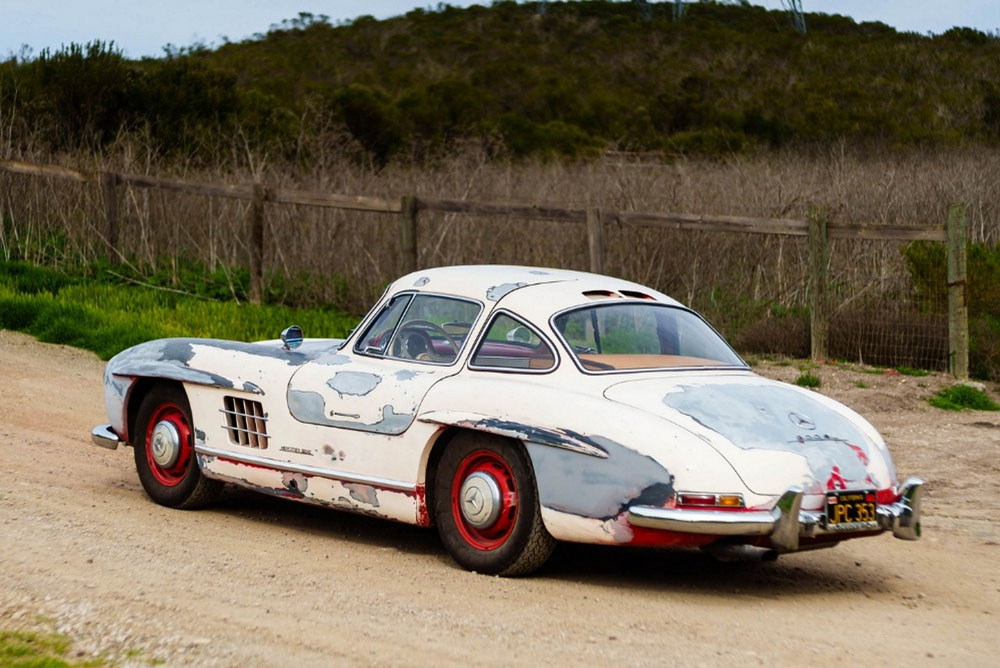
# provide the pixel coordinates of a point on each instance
(143, 27)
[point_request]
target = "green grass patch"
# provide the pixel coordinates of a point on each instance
(26, 649)
(106, 318)
(963, 397)
(910, 371)
(861, 384)
(807, 379)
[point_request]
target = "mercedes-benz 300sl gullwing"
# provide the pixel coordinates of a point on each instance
(513, 407)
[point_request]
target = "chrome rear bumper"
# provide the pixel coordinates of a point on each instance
(104, 436)
(786, 523)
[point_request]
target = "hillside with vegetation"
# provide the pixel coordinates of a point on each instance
(572, 80)
(728, 111)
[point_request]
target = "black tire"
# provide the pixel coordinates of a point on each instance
(516, 542)
(180, 484)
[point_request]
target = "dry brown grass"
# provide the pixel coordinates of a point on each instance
(349, 256)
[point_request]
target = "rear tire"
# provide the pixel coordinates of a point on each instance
(486, 506)
(164, 451)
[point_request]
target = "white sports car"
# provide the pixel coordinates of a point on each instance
(512, 407)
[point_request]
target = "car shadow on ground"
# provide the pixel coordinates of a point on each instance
(646, 569)
(697, 572)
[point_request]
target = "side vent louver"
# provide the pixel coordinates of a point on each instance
(245, 422)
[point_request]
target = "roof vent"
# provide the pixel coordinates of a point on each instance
(636, 295)
(601, 294)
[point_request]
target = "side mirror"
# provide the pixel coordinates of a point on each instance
(292, 337)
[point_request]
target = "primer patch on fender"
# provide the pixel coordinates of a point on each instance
(598, 488)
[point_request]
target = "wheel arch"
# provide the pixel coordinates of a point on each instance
(140, 388)
(443, 439)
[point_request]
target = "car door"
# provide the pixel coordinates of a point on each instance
(378, 384)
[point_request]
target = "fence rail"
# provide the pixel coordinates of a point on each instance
(816, 228)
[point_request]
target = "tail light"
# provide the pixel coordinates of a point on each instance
(700, 500)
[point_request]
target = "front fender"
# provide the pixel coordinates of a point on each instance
(246, 367)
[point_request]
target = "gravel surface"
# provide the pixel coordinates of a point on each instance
(258, 581)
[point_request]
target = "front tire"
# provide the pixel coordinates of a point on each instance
(164, 451)
(486, 506)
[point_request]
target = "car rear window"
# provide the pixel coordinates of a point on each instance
(616, 337)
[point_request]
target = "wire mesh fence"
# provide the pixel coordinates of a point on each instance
(754, 288)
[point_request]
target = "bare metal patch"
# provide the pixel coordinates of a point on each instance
(363, 493)
(774, 417)
(252, 387)
(296, 483)
(354, 383)
(310, 407)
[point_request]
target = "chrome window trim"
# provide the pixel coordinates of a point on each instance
(360, 327)
(363, 331)
(497, 312)
(655, 304)
(413, 295)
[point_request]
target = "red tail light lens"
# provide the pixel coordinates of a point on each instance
(699, 500)
(696, 499)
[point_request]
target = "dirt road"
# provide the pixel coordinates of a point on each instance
(257, 581)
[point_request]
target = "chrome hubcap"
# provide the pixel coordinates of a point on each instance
(165, 444)
(481, 501)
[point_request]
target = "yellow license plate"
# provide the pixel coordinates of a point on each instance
(851, 510)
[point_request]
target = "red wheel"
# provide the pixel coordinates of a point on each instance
(486, 506)
(168, 444)
(484, 500)
(164, 451)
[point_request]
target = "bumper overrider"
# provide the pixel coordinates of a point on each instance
(784, 524)
(104, 436)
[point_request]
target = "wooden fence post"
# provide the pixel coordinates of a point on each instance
(958, 305)
(819, 299)
(109, 183)
(408, 233)
(255, 220)
(595, 240)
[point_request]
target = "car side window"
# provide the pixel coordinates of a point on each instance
(376, 338)
(512, 344)
(433, 329)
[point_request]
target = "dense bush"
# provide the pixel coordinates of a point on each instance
(106, 317)
(566, 82)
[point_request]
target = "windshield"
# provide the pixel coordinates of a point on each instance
(615, 337)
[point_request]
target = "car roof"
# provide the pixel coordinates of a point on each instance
(537, 289)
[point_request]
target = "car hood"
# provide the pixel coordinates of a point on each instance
(773, 434)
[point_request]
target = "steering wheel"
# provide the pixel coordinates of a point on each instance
(429, 348)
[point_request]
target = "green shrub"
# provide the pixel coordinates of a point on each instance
(963, 397)
(36, 650)
(807, 379)
(107, 318)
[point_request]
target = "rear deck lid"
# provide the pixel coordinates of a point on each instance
(775, 435)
